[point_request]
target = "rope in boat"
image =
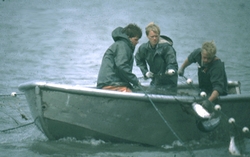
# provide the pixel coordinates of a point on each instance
(168, 125)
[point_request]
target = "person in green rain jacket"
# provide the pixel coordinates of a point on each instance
(157, 61)
(117, 63)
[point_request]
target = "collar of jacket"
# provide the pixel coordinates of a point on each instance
(150, 47)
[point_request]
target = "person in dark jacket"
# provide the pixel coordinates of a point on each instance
(212, 76)
(117, 63)
(157, 60)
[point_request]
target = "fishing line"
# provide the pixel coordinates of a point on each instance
(165, 121)
(234, 126)
(18, 127)
(13, 94)
(190, 82)
(11, 118)
(239, 139)
(226, 116)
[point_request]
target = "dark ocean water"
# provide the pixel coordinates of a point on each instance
(64, 41)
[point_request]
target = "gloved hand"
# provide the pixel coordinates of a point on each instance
(149, 74)
(181, 72)
(208, 105)
(170, 72)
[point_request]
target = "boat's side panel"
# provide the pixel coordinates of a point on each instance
(33, 96)
(239, 109)
(132, 120)
(83, 113)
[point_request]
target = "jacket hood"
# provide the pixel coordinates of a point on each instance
(118, 34)
(165, 39)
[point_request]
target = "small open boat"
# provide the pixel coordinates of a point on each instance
(85, 112)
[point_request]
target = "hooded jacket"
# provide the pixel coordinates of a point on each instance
(117, 62)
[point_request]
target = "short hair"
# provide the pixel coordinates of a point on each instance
(152, 27)
(210, 48)
(132, 30)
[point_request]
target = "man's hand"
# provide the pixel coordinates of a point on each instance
(208, 105)
(149, 74)
(181, 72)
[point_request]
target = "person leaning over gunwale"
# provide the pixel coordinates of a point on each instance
(212, 76)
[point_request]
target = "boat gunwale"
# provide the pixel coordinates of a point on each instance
(88, 90)
(92, 91)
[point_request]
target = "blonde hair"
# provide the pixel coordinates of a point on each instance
(152, 27)
(210, 48)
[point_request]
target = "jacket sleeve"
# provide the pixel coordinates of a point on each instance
(217, 78)
(170, 58)
(124, 64)
(141, 61)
